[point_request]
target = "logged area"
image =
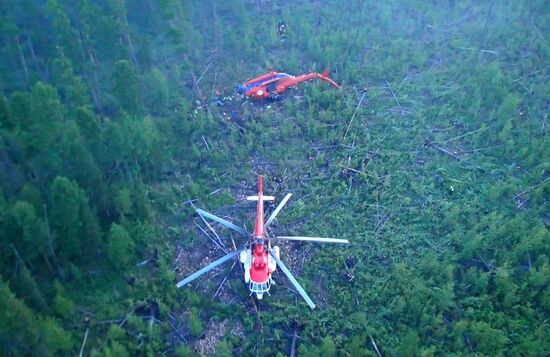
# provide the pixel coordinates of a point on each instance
(416, 130)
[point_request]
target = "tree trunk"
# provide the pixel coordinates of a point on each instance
(123, 23)
(31, 48)
(50, 244)
(22, 57)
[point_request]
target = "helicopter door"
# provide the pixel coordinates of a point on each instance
(272, 88)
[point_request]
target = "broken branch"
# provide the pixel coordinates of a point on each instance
(293, 344)
(445, 151)
(353, 116)
(392, 93)
(375, 347)
(382, 222)
(84, 342)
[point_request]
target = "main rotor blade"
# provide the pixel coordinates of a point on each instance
(222, 222)
(209, 267)
(315, 239)
(293, 280)
(277, 210)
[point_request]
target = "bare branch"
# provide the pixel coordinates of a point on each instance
(375, 347)
(293, 344)
(392, 93)
(203, 73)
(445, 151)
(353, 116)
(382, 222)
(84, 342)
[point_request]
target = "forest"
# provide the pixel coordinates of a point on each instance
(433, 160)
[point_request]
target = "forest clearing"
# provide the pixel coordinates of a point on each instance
(416, 130)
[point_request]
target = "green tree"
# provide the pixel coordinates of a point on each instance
(126, 87)
(74, 225)
(119, 246)
(19, 108)
(487, 339)
(131, 146)
(123, 202)
(194, 322)
(5, 121)
(62, 303)
(70, 86)
(22, 332)
(409, 345)
(156, 91)
(26, 230)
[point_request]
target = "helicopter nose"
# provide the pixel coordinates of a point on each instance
(259, 296)
(240, 89)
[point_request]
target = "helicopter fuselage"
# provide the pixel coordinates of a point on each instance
(274, 84)
(258, 266)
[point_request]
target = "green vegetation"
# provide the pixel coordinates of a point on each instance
(434, 160)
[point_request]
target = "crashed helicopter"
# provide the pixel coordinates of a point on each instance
(274, 84)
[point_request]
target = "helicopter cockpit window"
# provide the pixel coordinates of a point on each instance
(261, 287)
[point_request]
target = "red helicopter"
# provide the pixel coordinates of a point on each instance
(273, 84)
(259, 259)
